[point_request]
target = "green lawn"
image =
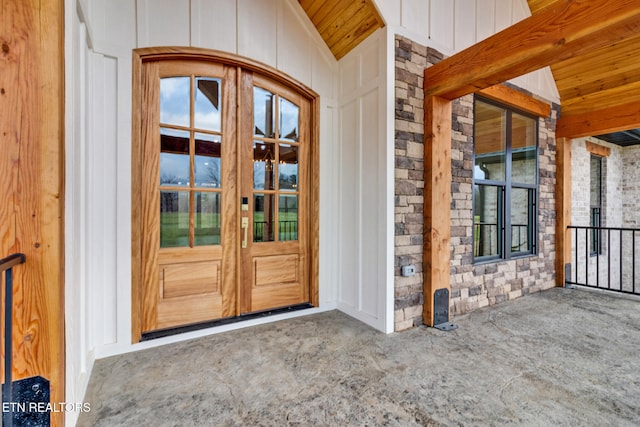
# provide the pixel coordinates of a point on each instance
(174, 228)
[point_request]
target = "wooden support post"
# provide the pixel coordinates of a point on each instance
(437, 201)
(32, 184)
(563, 207)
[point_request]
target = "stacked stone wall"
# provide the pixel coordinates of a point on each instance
(475, 285)
(472, 285)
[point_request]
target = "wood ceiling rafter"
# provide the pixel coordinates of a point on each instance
(536, 5)
(600, 121)
(591, 46)
(343, 24)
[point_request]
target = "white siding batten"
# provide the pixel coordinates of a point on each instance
(450, 26)
(364, 190)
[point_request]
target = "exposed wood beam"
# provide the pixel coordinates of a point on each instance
(563, 208)
(598, 150)
(437, 193)
(514, 98)
(562, 30)
(600, 121)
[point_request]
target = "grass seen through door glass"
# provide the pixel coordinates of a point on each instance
(174, 229)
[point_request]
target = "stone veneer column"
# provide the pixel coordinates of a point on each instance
(411, 60)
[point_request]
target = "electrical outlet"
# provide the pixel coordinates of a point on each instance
(409, 270)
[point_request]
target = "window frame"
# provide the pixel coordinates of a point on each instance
(595, 245)
(505, 188)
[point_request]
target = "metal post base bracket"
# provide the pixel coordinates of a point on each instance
(447, 326)
(441, 311)
(28, 406)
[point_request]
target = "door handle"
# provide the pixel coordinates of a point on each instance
(245, 226)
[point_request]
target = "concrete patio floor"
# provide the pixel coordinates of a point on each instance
(560, 357)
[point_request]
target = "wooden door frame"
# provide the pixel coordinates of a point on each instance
(207, 55)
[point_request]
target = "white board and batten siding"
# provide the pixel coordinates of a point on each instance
(365, 289)
(101, 35)
(451, 26)
(275, 32)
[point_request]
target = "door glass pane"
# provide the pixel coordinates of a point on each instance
(207, 160)
(289, 120)
(206, 219)
(174, 157)
(486, 211)
(490, 142)
(207, 114)
(288, 217)
(264, 157)
(263, 217)
(174, 101)
(174, 219)
(288, 168)
(521, 205)
(523, 149)
(264, 103)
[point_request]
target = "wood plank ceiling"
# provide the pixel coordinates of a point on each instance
(603, 79)
(592, 47)
(343, 24)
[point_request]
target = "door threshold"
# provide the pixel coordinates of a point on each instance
(147, 336)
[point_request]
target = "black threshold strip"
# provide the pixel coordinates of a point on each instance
(147, 336)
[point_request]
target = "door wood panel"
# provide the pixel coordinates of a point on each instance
(172, 313)
(190, 278)
(273, 270)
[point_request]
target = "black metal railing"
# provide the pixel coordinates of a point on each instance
(486, 238)
(605, 258)
(6, 267)
(519, 237)
(287, 230)
(261, 231)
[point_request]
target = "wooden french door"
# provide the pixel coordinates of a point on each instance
(274, 183)
(225, 157)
